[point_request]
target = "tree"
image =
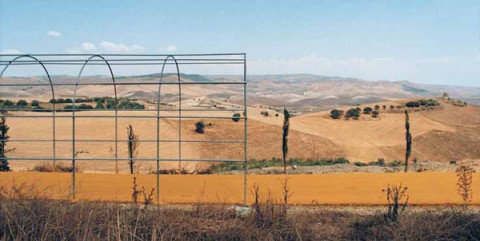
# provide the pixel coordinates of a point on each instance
(408, 139)
(352, 113)
(384, 107)
(286, 127)
(52, 101)
(133, 145)
(236, 117)
(377, 107)
(367, 110)
(335, 114)
(22, 103)
(200, 127)
(35, 103)
(375, 113)
(4, 166)
(100, 105)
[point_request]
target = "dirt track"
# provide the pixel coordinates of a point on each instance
(334, 189)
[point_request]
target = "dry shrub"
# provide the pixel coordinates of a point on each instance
(48, 167)
(464, 183)
(397, 200)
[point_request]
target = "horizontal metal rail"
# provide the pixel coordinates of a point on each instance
(121, 116)
(130, 55)
(119, 60)
(119, 159)
(119, 110)
(124, 83)
(148, 63)
(96, 140)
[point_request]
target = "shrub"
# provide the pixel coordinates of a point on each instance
(200, 127)
(68, 100)
(377, 107)
(4, 166)
(46, 167)
(375, 113)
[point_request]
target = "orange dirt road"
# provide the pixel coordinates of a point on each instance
(335, 189)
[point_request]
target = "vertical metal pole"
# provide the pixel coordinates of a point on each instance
(116, 135)
(73, 149)
(245, 135)
(179, 121)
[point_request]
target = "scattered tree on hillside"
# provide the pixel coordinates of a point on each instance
(367, 110)
(4, 166)
(352, 113)
(377, 107)
(384, 107)
(286, 127)
(236, 117)
(392, 107)
(133, 145)
(200, 127)
(35, 103)
(335, 114)
(375, 113)
(22, 103)
(408, 139)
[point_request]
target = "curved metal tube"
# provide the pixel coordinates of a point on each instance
(51, 88)
(179, 119)
(77, 81)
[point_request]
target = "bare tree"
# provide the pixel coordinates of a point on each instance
(408, 139)
(133, 145)
(286, 127)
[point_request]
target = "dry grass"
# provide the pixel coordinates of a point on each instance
(24, 217)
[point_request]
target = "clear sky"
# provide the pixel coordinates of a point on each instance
(436, 42)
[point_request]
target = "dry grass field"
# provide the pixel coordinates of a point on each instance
(450, 133)
(331, 189)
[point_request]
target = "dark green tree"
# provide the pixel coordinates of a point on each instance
(335, 114)
(236, 117)
(408, 139)
(286, 128)
(133, 145)
(200, 127)
(4, 167)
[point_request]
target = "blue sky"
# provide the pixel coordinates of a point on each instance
(436, 42)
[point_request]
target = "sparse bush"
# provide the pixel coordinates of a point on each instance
(397, 200)
(375, 113)
(47, 167)
(377, 107)
(464, 183)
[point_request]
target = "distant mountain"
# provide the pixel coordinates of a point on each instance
(299, 92)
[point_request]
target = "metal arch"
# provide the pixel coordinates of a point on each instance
(53, 96)
(73, 115)
(179, 120)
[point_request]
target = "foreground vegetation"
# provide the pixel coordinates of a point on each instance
(39, 219)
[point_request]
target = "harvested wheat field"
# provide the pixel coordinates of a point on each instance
(331, 189)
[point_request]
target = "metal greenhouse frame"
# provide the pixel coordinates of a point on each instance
(109, 60)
